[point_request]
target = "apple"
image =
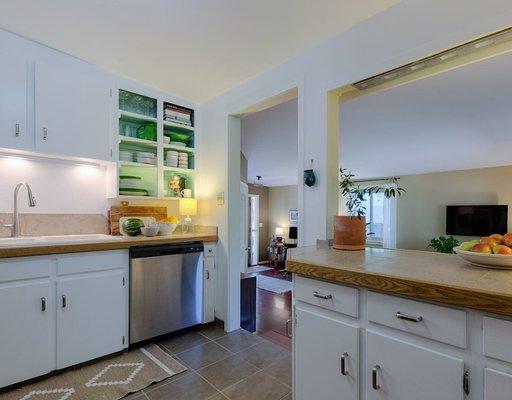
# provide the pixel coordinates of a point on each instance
(497, 237)
(489, 240)
(502, 249)
(481, 248)
(507, 239)
(466, 246)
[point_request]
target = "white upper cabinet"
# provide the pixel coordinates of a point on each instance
(72, 112)
(13, 103)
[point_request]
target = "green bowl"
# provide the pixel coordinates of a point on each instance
(179, 137)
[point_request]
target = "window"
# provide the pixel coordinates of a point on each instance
(374, 204)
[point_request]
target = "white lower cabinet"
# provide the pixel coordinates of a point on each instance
(326, 358)
(90, 317)
(397, 370)
(498, 385)
(26, 334)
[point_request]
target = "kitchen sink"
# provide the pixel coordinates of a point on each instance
(23, 241)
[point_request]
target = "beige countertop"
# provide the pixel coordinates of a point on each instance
(100, 245)
(443, 278)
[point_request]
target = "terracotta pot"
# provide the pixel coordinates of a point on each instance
(349, 233)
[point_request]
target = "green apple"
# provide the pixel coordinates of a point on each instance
(466, 246)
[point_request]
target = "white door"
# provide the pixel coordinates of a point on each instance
(244, 227)
(72, 112)
(209, 290)
(90, 317)
(326, 356)
(26, 334)
(13, 103)
(498, 385)
(401, 371)
(254, 229)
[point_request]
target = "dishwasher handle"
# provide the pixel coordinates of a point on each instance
(166, 249)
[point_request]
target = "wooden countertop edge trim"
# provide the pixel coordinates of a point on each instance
(444, 294)
(97, 246)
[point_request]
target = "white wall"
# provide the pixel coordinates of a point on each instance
(272, 135)
(403, 33)
(281, 200)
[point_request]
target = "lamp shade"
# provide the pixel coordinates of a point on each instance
(279, 231)
(188, 206)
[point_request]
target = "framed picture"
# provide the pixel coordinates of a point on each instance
(294, 217)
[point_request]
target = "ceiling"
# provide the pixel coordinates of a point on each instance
(270, 144)
(457, 120)
(191, 48)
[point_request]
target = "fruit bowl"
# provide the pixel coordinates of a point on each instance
(497, 261)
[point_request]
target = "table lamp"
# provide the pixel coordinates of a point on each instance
(188, 207)
(279, 232)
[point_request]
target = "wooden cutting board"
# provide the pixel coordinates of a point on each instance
(116, 212)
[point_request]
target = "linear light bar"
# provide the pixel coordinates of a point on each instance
(463, 49)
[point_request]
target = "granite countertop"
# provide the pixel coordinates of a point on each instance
(442, 278)
(101, 245)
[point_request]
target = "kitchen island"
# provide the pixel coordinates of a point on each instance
(399, 325)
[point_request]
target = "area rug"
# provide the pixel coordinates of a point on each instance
(273, 285)
(257, 268)
(107, 379)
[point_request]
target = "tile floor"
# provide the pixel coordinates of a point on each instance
(235, 366)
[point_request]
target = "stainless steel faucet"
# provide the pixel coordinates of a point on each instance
(15, 226)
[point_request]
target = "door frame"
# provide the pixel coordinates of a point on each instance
(254, 249)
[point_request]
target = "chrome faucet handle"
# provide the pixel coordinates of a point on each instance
(8, 226)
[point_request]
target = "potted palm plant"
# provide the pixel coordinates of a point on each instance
(350, 230)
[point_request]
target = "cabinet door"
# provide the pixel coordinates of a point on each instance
(72, 112)
(403, 371)
(91, 317)
(209, 290)
(498, 385)
(26, 334)
(326, 361)
(13, 103)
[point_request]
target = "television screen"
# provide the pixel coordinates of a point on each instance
(292, 232)
(476, 220)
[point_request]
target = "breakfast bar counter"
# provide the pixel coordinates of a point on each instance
(441, 278)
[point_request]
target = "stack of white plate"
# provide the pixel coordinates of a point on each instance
(125, 155)
(130, 182)
(183, 160)
(172, 159)
(146, 158)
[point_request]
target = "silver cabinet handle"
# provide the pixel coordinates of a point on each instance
(343, 366)
(64, 301)
(322, 296)
(409, 318)
(17, 129)
(45, 133)
(288, 331)
(375, 383)
(207, 275)
(43, 304)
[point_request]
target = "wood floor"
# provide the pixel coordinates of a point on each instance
(272, 312)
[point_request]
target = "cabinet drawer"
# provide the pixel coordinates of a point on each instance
(89, 262)
(431, 321)
(333, 297)
(209, 250)
(498, 385)
(25, 268)
(498, 338)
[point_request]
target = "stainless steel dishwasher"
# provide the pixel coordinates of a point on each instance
(166, 289)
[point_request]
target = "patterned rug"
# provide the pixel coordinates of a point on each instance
(273, 285)
(108, 379)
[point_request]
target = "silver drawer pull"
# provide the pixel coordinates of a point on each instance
(17, 130)
(375, 383)
(288, 330)
(410, 318)
(43, 304)
(322, 296)
(207, 275)
(45, 133)
(64, 301)
(343, 366)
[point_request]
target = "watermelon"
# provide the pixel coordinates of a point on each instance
(132, 226)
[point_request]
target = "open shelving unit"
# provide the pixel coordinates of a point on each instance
(141, 123)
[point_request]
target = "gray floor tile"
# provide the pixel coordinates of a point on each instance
(260, 386)
(220, 396)
(168, 380)
(263, 354)
(227, 372)
(203, 355)
(212, 332)
(178, 344)
(190, 387)
(281, 370)
(135, 396)
(287, 397)
(239, 340)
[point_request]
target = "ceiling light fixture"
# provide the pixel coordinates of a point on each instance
(463, 49)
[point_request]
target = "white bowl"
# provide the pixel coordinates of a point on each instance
(497, 261)
(166, 228)
(150, 231)
(167, 139)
